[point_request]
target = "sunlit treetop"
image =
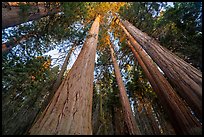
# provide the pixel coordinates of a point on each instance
(102, 8)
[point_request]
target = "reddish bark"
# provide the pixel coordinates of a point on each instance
(182, 119)
(56, 83)
(70, 110)
(186, 79)
(144, 68)
(129, 118)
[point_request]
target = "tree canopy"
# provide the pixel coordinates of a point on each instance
(29, 73)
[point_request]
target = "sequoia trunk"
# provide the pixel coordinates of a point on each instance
(70, 110)
(185, 78)
(56, 83)
(129, 119)
(182, 119)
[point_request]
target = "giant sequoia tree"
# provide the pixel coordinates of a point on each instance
(186, 78)
(149, 84)
(173, 105)
(69, 112)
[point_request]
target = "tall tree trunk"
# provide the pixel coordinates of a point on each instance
(129, 118)
(181, 117)
(165, 124)
(144, 68)
(70, 110)
(56, 83)
(152, 120)
(184, 77)
(63, 69)
(146, 72)
(118, 120)
(138, 116)
(11, 17)
(15, 41)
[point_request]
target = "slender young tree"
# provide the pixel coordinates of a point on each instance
(181, 117)
(129, 118)
(185, 78)
(70, 110)
(144, 68)
(63, 69)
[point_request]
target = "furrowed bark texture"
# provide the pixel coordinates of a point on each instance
(70, 110)
(63, 69)
(12, 17)
(183, 76)
(129, 118)
(182, 119)
(56, 83)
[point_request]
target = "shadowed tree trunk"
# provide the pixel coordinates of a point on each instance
(182, 119)
(164, 122)
(152, 120)
(120, 128)
(184, 77)
(144, 68)
(11, 17)
(149, 77)
(70, 110)
(129, 118)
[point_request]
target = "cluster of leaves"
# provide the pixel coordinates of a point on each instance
(102, 8)
(142, 14)
(24, 88)
(27, 75)
(176, 27)
(181, 27)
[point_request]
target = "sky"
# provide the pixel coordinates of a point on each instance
(55, 54)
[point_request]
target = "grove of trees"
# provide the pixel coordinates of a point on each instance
(137, 68)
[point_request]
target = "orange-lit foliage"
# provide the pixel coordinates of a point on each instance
(45, 65)
(94, 8)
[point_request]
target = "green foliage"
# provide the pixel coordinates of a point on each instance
(27, 76)
(24, 88)
(178, 28)
(181, 31)
(24, 8)
(74, 10)
(142, 14)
